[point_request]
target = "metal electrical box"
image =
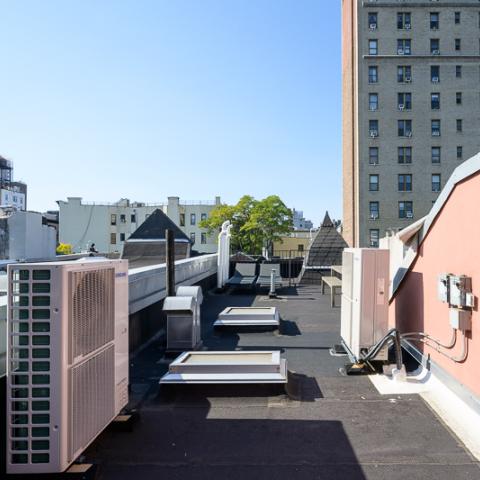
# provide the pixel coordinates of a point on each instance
(460, 286)
(196, 293)
(365, 286)
(180, 313)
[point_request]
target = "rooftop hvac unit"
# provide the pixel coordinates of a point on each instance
(67, 359)
(365, 283)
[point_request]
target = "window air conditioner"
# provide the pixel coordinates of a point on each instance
(373, 108)
(373, 26)
(436, 52)
(408, 79)
(374, 216)
(365, 284)
(374, 133)
(408, 134)
(400, 51)
(435, 79)
(401, 106)
(67, 369)
(409, 214)
(407, 26)
(435, 133)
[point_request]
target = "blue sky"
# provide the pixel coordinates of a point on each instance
(196, 98)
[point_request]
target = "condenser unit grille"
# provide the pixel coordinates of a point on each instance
(29, 367)
(92, 310)
(92, 404)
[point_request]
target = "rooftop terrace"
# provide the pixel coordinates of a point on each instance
(337, 427)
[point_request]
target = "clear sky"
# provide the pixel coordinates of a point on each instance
(194, 98)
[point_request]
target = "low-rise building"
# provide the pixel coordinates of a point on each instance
(109, 225)
(12, 194)
(292, 244)
(24, 236)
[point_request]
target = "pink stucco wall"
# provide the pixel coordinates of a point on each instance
(452, 245)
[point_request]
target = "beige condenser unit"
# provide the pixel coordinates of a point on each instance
(365, 286)
(67, 359)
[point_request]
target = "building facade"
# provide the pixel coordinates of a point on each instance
(299, 221)
(411, 108)
(109, 225)
(12, 194)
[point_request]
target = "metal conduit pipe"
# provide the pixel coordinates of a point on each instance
(392, 335)
(451, 344)
(459, 359)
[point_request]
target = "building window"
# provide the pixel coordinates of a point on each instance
(301, 247)
(436, 128)
(405, 182)
(373, 155)
(457, 18)
(372, 20)
(193, 219)
(374, 237)
(373, 183)
(122, 237)
(203, 238)
(113, 219)
(434, 46)
(458, 71)
(203, 217)
(404, 20)
(458, 44)
(404, 154)
(373, 101)
(113, 238)
(435, 101)
(123, 218)
(436, 154)
(404, 46)
(373, 128)
(434, 20)
(404, 74)
(133, 218)
(192, 238)
(182, 219)
(435, 73)
(374, 208)
(404, 128)
(405, 209)
(459, 125)
(459, 152)
(458, 98)
(372, 74)
(404, 101)
(373, 47)
(436, 182)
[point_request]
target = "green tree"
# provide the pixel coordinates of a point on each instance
(270, 218)
(255, 224)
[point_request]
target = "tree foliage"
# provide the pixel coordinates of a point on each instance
(255, 223)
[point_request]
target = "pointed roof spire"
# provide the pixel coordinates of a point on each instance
(327, 222)
(153, 228)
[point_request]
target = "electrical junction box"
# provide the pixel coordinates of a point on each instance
(459, 288)
(460, 319)
(443, 287)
